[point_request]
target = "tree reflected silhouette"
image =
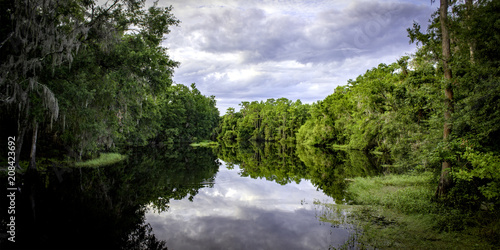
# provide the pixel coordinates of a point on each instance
(104, 208)
(328, 170)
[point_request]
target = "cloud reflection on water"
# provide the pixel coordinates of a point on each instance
(245, 213)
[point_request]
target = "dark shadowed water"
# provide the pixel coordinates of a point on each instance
(265, 196)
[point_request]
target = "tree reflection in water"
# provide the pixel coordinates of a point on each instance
(328, 170)
(104, 208)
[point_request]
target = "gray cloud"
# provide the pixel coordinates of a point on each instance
(256, 49)
(333, 35)
(258, 36)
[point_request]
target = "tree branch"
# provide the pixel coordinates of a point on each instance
(6, 39)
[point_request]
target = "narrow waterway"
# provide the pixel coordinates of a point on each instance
(270, 196)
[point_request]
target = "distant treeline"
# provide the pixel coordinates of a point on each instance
(273, 120)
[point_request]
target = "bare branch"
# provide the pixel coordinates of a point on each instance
(6, 39)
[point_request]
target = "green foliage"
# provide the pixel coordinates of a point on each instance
(474, 147)
(388, 109)
(273, 120)
(483, 166)
(313, 132)
(117, 90)
(109, 97)
(187, 115)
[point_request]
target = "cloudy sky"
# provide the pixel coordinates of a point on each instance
(259, 49)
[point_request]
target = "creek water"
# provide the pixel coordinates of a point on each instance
(268, 196)
(244, 213)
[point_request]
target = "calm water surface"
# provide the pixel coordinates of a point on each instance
(267, 196)
(244, 213)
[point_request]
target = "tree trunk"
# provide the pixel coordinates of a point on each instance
(284, 127)
(19, 144)
(470, 5)
(19, 141)
(444, 182)
(22, 124)
(33, 146)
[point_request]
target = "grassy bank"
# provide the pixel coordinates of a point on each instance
(204, 144)
(104, 159)
(397, 212)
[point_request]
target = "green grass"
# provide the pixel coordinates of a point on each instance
(205, 143)
(104, 159)
(407, 193)
(397, 212)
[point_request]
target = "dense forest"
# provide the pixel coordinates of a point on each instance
(79, 78)
(436, 110)
(273, 120)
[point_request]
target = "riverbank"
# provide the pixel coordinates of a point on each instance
(205, 143)
(397, 211)
(104, 159)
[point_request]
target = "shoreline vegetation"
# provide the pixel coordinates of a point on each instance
(104, 159)
(396, 211)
